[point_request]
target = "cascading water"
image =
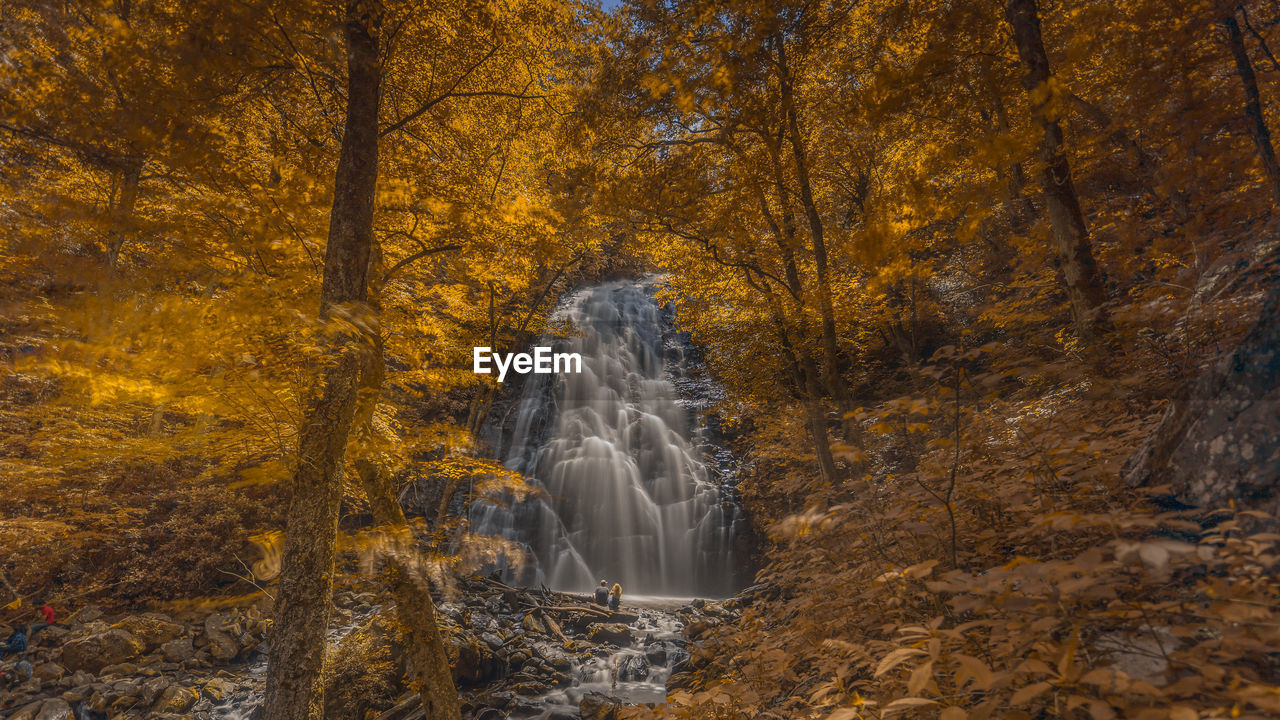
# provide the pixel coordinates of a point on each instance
(622, 455)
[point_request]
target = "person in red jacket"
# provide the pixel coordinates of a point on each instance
(47, 613)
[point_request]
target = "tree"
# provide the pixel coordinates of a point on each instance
(1080, 275)
(1252, 100)
(303, 600)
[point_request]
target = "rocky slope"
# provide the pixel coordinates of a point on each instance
(515, 653)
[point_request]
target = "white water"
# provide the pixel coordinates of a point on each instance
(622, 457)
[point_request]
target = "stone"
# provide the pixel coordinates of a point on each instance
(152, 688)
(97, 650)
(119, 670)
(81, 677)
(52, 635)
(75, 695)
(178, 650)
(612, 633)
(656, 653)
(530, 688)
(493, 641)
(27, 712)
(54, 709)
(216, 689)
(531, 624)
(86, 614)
(598, 706)
(222, 646)
(1220, 442)
(153, 629)
(49, 672)
(472, 660)
(175, 699)
(633, 668)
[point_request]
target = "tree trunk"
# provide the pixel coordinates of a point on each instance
(826, 309)
(414, 608)
(122, 209)
(1253, 103)
(1080, 274)
(294, 689)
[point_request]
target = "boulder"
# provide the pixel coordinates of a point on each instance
(175, 699)
(598, 706)
(94, 651)
(612, 633)
(531, 624)
(656, 652)
(178, 650)
(28, 711)
(216, 689)
(49, 672)
(123, 669)
(153, 688)
(222, 646)
(153, 629)
(87, 614)
(1219, 443)
(54, 709)
(633, 668)
(473, 661)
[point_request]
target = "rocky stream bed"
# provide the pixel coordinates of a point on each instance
(516, 654)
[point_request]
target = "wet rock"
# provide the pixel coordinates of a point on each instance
(677, 655)
(493, 641)
(178, 650)
(96, 650)
(597, 706)
(656, 653)
(153, 629)
(612, 633)
(633, 668)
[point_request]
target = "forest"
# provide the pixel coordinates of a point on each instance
(928, 359)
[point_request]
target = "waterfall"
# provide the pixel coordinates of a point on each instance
(630, 492)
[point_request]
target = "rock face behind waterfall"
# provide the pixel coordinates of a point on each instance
(632, 492)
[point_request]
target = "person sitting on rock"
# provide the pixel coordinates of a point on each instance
(47, 613)
(17, 642)
(602, 593)
(615, 596)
